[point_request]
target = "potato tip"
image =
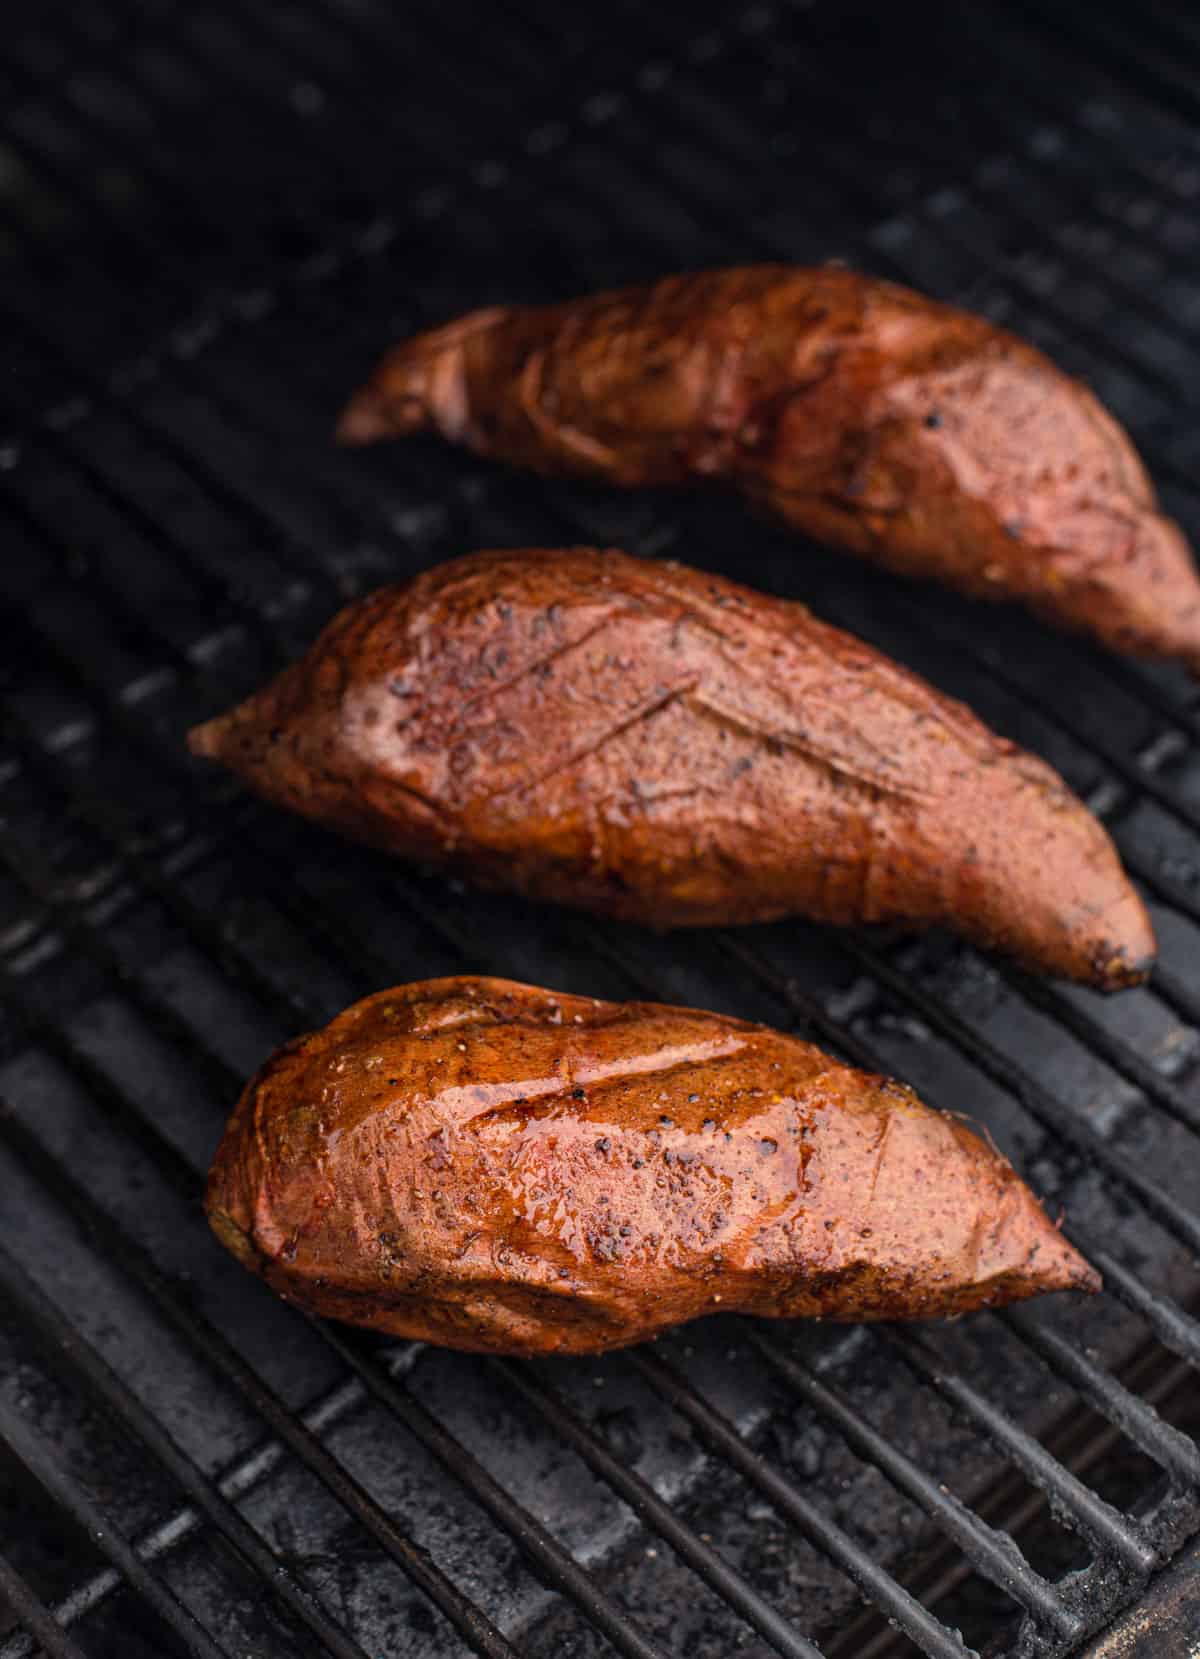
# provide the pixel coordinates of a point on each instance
(364, 420)
(205, 739)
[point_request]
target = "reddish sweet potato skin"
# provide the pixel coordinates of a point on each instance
(666, 747)
(495, 1167)
(860, 412)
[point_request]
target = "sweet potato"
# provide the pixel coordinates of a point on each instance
(495, 1167)
(669, 748)
(861, 413)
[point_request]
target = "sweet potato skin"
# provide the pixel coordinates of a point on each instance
(666, 747)
(862, 413)
(495, 1167)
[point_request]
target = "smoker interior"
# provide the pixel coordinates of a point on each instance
(211, 219)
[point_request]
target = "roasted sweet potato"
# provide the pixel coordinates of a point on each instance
(861, 413)
(495, 1167)
(669, 748)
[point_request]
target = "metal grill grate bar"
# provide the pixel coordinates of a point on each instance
(1101, 1042)
(96, 814)
(35, 1616)
(1010, 278)
(562, 1569)
(929, 1634)
(1046, 997)
(75, 113)
(103, 1383)
(1157, 1092)
(1049, 1111)
(1136, 775)
(1170, 1211)
(992, 1553)
(1130, 55)
(371, 237)
(1176, 1453)
(235, 1481)
(1172, 1451)
(1133, 299)
(1120, 1055)
(650, 1508)
(204, 1338)
(1103, 1526)
(1098, 1040)
(1174, 1328)
(212, 832)
(854, 183)
(223, 593)
(28, 1449)
(1073, 1501)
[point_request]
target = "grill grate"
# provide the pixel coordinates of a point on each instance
(186, 1465)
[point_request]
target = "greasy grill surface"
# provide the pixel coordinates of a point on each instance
(210, 222)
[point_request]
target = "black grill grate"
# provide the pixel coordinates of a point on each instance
(210, 219)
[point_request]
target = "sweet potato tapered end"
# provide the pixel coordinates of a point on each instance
(370, 416)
